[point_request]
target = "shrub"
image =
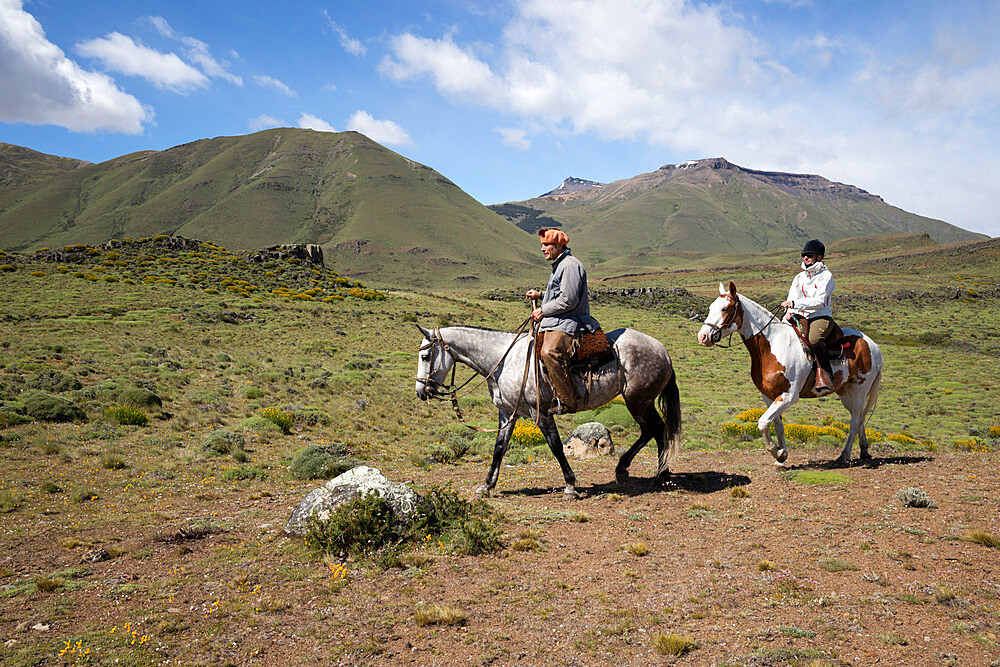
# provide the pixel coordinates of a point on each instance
(8, 502)
(244, 472)
(637, 549)
(83, 495)
(438, 614)
(310, 416)
(279, 418)
(674, 644)
(11, 418)
(7, 267)
(52, 381)
(127, 415)
(113, 460)
(527, 435)
(223, 442)
(321, 462)
(751, 415)
(49, 407)
(252, 392)
(364, 525)
(38, 274)
(982, 537)
(914, 497)
(143, 398)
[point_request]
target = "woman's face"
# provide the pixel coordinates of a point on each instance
(809, 259)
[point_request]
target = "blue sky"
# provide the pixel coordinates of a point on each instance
(507, 99)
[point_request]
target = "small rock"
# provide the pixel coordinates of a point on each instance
(95, 556)
(589, 440)
(120, 579)
(41, 627)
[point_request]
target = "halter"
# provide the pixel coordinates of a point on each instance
(730, 318)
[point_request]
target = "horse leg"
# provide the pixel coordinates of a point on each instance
(779, 430)
(547, 425)
(854, 400)
(506, 429)
(650, 426)
(773, 415)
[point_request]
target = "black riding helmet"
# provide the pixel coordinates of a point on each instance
(814, 247)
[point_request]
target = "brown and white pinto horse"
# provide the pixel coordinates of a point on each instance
(783, 373)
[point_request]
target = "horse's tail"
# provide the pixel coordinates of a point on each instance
(872, 399)
(670, 406)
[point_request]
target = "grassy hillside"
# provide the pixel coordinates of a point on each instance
(150, 528)
(714, 206)
(375, 213)
(23, 166)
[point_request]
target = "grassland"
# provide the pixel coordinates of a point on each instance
(734, 563)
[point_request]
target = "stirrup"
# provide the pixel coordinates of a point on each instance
(559, 408)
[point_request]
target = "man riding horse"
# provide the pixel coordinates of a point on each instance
(563, 316)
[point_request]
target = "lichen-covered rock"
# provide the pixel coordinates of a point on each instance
(323, 501)
(589, 440)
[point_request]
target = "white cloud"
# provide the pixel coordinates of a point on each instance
(383, 131)
(196, 51)
(264, 122)
(514, 138)
(121, 54)
(349, 44)
(41, 86)
(308, 121)
(695, 79)
(270, 82)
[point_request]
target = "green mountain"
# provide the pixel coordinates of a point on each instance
(23, 166)
(375, 213)
(715, 206)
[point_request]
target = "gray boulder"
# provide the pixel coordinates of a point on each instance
(322, 502)
(589, 440)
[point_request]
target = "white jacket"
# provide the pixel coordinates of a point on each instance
(811, 292)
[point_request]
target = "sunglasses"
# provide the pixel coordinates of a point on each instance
(809, 254)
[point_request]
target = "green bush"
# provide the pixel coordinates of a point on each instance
(244, 472)
(259, 425)
(475, 527)
(49, 407)
(11, 418)
(143, 398)
(914, 497)
(127, 415)
(52, 381)
(222, 442)
(279, 418)
(321, 462)
(310, 416)
(363, 525)
(252, 392)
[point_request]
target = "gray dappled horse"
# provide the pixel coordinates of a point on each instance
(640, 371)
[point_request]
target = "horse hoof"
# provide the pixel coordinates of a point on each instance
(621, 476)
(569, 493)
(483, 492)
(840, 462)
(780, 464)
(865, 456)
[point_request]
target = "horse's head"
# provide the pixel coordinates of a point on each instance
(434, 360)
(725, 316)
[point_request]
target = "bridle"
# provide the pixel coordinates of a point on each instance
(449, 392)
(730, 317)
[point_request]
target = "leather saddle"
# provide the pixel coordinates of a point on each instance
(593, 351)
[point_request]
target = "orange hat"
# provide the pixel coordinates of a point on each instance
(553, 236)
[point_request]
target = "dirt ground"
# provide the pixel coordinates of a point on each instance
(788, 572)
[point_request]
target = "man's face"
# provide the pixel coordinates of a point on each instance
(552, 251)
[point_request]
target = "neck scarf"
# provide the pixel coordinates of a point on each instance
(816, 267)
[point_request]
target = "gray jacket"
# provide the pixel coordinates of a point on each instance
(565, 303)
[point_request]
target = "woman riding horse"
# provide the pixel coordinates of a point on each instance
(809, 305)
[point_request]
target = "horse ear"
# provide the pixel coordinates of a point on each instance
(425, 332)
(732, 288)
(722, 290)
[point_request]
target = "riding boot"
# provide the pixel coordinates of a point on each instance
(562, 384)
(824, 379)
(557, 350)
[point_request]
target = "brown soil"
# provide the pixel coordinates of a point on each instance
(792, 573)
